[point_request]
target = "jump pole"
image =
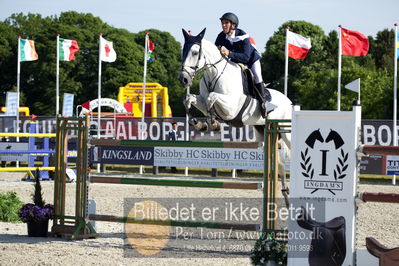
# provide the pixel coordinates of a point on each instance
(212, 225)
(379, 197)
(175, 183)
(378, 150)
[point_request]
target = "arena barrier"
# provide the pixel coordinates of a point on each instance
(78, 226)
(33, 152)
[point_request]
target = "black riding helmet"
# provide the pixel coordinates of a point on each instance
(230, 17)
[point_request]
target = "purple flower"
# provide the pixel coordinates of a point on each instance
(30, 212)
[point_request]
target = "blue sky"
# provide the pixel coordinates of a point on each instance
(260, 18)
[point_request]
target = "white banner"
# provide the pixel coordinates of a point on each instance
(323, 187)
(227, 158)
(11, 104)
(67, 106)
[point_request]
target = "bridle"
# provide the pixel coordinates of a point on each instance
(196, 69)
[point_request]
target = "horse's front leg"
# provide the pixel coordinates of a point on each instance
(198, 102)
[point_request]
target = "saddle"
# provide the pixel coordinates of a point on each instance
(328, 245)
(248, 83)
(387, 256)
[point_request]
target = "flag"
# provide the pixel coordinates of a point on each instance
(354, 85)
(298, 46)
(27, 50)
(86, 105)
(397, 45)
(107, 53)
(150, 49)
(68, 48)
(354, 43)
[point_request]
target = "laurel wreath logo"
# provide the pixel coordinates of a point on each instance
(307, 165)
(341, 166)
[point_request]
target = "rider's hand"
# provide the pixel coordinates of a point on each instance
(224, 51)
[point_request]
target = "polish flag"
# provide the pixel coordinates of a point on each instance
(298, 46)
(107, 52)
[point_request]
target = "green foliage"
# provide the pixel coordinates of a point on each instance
(37, 196)
(268, 249)
(9, 206)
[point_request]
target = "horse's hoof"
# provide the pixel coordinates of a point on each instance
(216, 126)
(204, 127)
(201, 126)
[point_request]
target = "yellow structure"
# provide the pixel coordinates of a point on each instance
(22, 110)
(156, 99)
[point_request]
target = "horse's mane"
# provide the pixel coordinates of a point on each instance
(211, 45)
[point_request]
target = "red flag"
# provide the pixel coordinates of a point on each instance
(354, 43)
(86, 105)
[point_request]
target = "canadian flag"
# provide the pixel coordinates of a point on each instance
(107, 52)
(298, 46)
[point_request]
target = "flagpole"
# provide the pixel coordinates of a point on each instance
(144, 84)
(99, 95)
(395, 94)
(286, 62)
(339, 68)
(57, 79)
(18, 82)
(141, 170)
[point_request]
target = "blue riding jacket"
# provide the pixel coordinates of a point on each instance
(241, 50)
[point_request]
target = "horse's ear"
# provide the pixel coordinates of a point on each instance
(202, 34)
(185, 34)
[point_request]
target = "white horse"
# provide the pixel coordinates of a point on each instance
(221, 90)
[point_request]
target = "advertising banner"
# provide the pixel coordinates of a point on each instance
(122, 155)
(226, 158)
(324, 174)
(392, 165)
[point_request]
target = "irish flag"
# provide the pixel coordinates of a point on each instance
(298, 46)
(68, 48)
(27, 50)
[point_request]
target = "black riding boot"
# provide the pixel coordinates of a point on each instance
(263, 97)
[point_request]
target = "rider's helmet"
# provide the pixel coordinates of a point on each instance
(230, 17)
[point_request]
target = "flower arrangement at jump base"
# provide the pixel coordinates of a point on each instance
(38, 213)
(269, 251)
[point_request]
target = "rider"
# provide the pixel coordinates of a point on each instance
(235, 44)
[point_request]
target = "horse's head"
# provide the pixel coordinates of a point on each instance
(192, 57)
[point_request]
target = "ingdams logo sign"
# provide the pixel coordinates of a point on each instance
(324, 162)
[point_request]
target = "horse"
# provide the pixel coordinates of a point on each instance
(222, 95)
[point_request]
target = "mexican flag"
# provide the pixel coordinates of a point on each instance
(67, 49)
(27, 50)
